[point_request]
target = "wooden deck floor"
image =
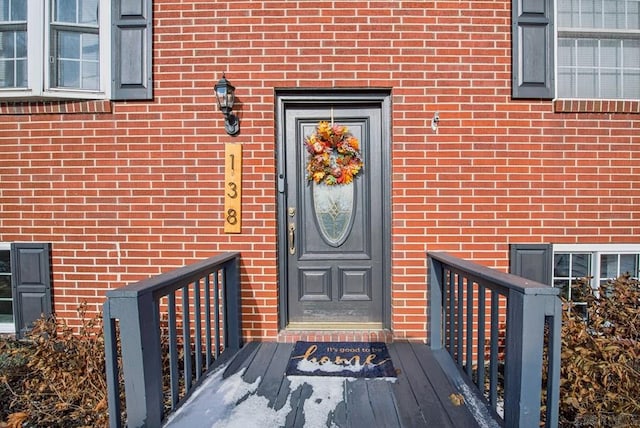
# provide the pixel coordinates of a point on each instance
(253, 391)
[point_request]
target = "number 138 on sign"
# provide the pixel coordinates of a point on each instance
(233, 188)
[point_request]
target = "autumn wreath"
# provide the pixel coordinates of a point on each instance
(334, 155)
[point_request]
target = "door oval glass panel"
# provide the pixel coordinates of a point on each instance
(334, 208)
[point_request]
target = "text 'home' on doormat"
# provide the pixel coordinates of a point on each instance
(346, 359)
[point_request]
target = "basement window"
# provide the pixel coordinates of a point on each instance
(599, 263)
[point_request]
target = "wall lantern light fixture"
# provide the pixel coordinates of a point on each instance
(225, 96)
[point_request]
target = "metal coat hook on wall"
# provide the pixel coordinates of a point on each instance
(435, 121)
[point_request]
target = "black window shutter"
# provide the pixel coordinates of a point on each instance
(532, 261)
(532, 49)
(131, 54)
(31, 284)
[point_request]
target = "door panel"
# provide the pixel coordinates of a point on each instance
(334, 269)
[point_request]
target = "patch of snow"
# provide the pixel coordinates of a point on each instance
(477, 409)
(500, 408)
(252, 412)
(233, 403)
(327, 393)
(214, 399)
(235, 388)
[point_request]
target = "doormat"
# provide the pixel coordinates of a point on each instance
(346, 359)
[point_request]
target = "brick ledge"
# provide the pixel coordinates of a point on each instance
(55, 107)
(596, 106)
(291, 336)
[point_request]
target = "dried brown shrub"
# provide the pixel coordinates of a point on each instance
(600, 371)
(57, 377)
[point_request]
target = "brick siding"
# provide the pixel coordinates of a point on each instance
(125, 190)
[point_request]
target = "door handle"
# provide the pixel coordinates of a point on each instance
(292, 238)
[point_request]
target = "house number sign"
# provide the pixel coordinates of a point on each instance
(233, 188)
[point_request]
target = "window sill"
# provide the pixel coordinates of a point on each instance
(596, 106)
(55, 107)
(6, 328)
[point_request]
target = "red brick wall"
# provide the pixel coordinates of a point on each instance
(125, 190)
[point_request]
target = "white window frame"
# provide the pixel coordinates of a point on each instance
(595, 250)
(39, 49)
(5, 327)
(587, 33)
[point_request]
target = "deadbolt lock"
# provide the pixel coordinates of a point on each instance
(292, 211)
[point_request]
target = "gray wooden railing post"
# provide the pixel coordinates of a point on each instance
(435, 303)
(523, 368)
(232, 304)
(554, 307)
(111, 366)
(141, 358)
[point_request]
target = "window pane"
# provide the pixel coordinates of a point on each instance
(566, 83)
(614, 16)
(631, 70)
(21, 44)
(18, 10)
(78, 60)
(610, 51)
(7, 44)
(88, 12)
(566, 52)
(90, 76)
(566, 68)
(561, 265)
(631, 85)
(77, 11)
(90, 47)
(633, 15)
(631, 56)
(608, 266)
(610, 74)
(587, 84)
(68, 45)
(7, 74)
(65, 11)
(610, 84)
(629, 264)
(6, 311)
(580, 265)
(5, 261)
(587, 62)
(564, 285)
(13, 10)
(589, 14)
(587, 53)
(13, 59)
(5, 286)
(21, 73)
(68, 74)
(565, 14)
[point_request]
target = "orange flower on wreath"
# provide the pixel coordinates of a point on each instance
(334, 155)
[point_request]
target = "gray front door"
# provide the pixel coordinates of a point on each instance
(334, 237)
